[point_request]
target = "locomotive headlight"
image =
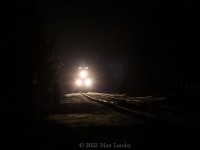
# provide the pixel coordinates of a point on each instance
(83, 74)
(88, 82)
(78, 82)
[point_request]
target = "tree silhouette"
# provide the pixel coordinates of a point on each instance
(46, 88)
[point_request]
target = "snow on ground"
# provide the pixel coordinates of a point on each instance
(77, 110)
(127, 98)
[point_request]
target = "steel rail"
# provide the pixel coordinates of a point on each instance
(133, 112)
(168, 108)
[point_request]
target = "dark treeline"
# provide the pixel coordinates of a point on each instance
(32, 88)
(46, 67)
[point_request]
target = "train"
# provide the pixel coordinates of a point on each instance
(83, 80)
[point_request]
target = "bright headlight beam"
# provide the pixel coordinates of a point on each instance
(87, 82)
(83, 74)
(78, 82)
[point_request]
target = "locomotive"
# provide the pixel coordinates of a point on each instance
(83, 82)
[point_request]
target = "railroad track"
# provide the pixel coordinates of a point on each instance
(152, 112)
(119, 99)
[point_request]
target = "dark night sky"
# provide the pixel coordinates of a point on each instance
(141, 42)
(136, 46)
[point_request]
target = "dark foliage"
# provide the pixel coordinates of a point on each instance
(46, 69)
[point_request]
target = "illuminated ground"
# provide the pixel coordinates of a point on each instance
(80, 120)
(77, 110)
